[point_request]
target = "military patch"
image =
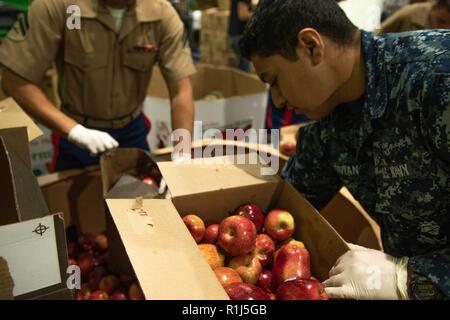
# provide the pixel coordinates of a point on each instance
(20, 28)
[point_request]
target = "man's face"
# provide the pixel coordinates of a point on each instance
(119, 3)
(303, 85)
(440, 18)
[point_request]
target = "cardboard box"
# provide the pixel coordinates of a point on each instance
(79, 194)
(208, 147)
(221, 42)
(131, 162)
(207, 37)
(153, 236)
(222, 21)
(244, 104)
(205, 54)
(362, 230)
(224, 5)
(208, 20)
(32, 241)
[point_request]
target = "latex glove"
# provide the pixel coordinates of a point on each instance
(94, 140)
(367, 274)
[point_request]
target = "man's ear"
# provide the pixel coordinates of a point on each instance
(311, 44)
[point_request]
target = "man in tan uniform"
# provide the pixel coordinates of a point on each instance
(419, 16)
(104, 62)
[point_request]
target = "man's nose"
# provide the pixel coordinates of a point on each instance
(278, 100)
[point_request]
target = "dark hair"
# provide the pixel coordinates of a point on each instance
(274, 26)
(443, 3)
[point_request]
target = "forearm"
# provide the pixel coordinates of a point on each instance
(182, 104)
(31, 98)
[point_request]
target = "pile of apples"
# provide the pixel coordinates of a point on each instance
(255, 257)
(90, 253)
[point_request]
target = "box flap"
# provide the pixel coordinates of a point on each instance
(203, 175)
(164, 256)
(319, 237)
(12, 116)
(21, 196)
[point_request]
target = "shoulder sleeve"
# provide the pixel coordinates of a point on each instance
(309, 170)
(32, 44)
(175, 59)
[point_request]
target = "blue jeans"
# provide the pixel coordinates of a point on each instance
(242, 63)
(69, 156)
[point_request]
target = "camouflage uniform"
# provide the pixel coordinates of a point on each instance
(391, 149)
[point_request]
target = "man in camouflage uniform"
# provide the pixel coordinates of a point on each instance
(383, 130)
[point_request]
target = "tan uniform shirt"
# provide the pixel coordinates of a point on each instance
(103, 73)
(409, 18)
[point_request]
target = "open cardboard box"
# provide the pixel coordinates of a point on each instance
(243, 104)
(165, 257)
(209, 148)
(79, 194)
(33, 249)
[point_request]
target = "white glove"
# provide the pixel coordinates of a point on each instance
(94, 140)
(367, 274)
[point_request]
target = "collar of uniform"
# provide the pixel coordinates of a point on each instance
(144, 10)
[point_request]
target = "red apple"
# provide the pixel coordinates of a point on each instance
(237, 235)
(155, 173)
(101, 242)
(247, 266)
(126, 280)
(279, 224)
(272, 295)
(265, 281)
(264, 249)
(196, 226)
(211, 234)
(212, 255)
(252, 212)
(84, 291)
(227, 276)
(72, 249)
(86, 242)
(95, 276)
(109, 284)
(135, 292)
(246, 291)
(98, 295)
(86, 262)
(71, 262)
(150, 181)
(288, 147)
(118, 296)
(291, 262)
(302, 289)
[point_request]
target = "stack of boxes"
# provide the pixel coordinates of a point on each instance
(214, 41)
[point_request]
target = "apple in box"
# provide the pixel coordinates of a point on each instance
(195, 225)
(265, 281)
(302, 289)
(264, 249)
(252, 212)
(247, 266)
(291, 262)
(237, 235)
(211, 234)
(246, 291)
(227, 276)
(212, 255)
(279, 224)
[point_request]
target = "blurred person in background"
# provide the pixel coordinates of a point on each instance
(240, 13)
(419, 16)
